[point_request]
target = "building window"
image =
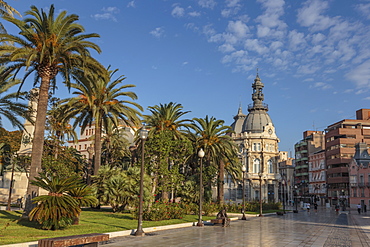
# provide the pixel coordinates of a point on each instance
(256, 166)
(256, 146)
(270, 166)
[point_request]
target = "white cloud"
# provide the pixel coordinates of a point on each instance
(232, 3)
(194, 13)
(310, 15)
(233, 7)
(185, 63)
(254, 45)
(157, 32)
(131, 4)
(238, 28)
(210, 4)
(321, 85)
(226, 48)
(361, 75)
(178, 12)
(271, 25)
(108, 14)
(364, 9)
(276, 45)
(296, 40)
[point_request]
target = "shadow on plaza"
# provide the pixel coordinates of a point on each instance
(326, 216)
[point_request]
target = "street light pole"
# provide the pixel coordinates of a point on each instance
(260, 175)
(143, 137)
(200, 155)
(243, 209)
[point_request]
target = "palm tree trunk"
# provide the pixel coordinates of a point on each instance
(220, 182)
(37, 144)
(97, 147)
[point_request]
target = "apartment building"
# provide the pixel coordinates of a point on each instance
(313, 141)
(341, 138)
(359, 178)
(317, 177)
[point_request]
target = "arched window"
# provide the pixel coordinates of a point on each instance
(256, 166)
(270, 166)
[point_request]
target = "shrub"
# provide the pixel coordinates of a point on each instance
(164, 211)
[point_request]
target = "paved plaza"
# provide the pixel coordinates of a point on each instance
(324, 228)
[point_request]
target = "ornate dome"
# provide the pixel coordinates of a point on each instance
(256, 121)
(258, 117)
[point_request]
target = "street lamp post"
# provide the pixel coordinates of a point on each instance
(260, 175)
(200, 155)
(143, 137)
(244, 169)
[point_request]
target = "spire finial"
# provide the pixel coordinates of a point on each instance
(257, 76)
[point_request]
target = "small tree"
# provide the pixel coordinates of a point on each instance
(84, 197)
(56, 209)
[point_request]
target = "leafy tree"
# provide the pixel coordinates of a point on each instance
(56, 209)
(47, 45)
(213, 136)
(120, 188)
(71, 163)
(12, 138)
(168, 146)
(115, 147)
(103, 102)
(84, 197)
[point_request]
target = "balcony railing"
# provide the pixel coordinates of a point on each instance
(353, 184)
(361, 184)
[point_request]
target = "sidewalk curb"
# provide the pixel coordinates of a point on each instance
(124, 233)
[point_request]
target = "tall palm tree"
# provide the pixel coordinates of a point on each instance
(166, 127)
(102, 101)
(47, 45)
(213, 136)
(9, 108)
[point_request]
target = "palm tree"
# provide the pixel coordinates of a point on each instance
(115, 146)
(213, 136)
(167, 118)
(46, 45)
(99, 101)
(167, 133)
(8, 107)
(6, 9)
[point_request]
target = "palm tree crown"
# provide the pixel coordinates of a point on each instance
(103, 102)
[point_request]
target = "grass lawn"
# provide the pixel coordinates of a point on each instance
(13, 229)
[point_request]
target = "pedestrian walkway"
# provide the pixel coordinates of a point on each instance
(324, 228)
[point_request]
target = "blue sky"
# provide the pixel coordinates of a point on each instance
(313, 55)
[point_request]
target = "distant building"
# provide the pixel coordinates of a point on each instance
(317, 177)
(286, 188)
(313, 141)
(258, 149)
(359, 177)
(86, 138)
(341, 138)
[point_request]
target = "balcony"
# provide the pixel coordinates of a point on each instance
(368, 184)
(361, 184)
(353, 185)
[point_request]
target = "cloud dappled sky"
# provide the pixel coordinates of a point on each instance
(313, 56)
